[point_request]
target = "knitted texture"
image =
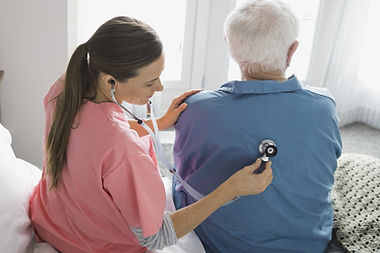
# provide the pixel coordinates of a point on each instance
(356, 201)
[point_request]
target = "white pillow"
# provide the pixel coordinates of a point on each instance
(6, 151)
(17, 180)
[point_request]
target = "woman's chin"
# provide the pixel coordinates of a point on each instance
(142, 101)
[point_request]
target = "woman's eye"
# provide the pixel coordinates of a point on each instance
(149, 84)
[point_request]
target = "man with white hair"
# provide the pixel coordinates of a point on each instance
(220, 131)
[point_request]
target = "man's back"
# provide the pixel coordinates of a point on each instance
(219, 133)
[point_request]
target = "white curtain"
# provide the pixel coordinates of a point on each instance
(368, 76)
(340, 59)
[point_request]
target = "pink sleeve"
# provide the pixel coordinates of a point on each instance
(137, 190)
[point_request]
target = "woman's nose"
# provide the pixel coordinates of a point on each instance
(158, 86)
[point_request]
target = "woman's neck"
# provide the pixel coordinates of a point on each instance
(102, 95)
(101, 98)
(276, 75)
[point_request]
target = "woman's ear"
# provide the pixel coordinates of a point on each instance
(107, 80)
(291, 51)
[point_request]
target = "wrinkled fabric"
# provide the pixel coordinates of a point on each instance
(166, 236)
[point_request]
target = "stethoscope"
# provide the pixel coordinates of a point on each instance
(267, 148)
(157, 144)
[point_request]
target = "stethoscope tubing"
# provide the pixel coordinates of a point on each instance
(164, 159)
(158, 146)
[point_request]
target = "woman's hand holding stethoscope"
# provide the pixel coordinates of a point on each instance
(246, 182)
(175, 109)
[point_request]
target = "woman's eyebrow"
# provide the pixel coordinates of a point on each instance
(152, 80)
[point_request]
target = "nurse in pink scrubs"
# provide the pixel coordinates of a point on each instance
(101, 190)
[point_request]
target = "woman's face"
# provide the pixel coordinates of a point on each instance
(139, 89)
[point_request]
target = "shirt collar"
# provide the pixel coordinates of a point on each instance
(262, 86)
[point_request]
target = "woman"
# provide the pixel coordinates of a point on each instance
(101, 190)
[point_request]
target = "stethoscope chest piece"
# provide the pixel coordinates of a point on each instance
(267, 148)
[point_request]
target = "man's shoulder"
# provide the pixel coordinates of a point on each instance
(203, 105)
(205, 96)
(320, 91)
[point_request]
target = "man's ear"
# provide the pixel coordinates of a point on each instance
(291, 51)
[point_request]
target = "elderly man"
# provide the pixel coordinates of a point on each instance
(222, 129)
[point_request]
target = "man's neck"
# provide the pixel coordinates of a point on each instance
(276, 75)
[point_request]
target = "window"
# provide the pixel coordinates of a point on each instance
(307, 12)
(170, 19)
(173, 20)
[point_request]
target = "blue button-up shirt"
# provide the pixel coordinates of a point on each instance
(219, 134)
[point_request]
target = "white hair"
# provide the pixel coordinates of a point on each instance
(259, 34)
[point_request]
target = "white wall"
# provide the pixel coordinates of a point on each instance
(33, 53)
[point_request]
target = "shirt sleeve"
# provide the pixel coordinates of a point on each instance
(164, 237)
(137, 190)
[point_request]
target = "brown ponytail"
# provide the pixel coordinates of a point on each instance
(68, 104)
(119, 47)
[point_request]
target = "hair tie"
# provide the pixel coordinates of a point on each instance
(87, 53)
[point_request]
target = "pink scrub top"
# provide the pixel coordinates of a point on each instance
(110, 183)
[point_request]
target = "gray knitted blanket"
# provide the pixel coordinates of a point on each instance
(356, 201)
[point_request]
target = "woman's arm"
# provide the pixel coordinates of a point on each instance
(169, 118)
(181, 222)
(243, 182)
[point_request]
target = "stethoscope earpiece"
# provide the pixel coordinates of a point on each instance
(112, 82)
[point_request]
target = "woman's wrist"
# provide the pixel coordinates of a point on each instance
(224, 192)
(162, 124)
